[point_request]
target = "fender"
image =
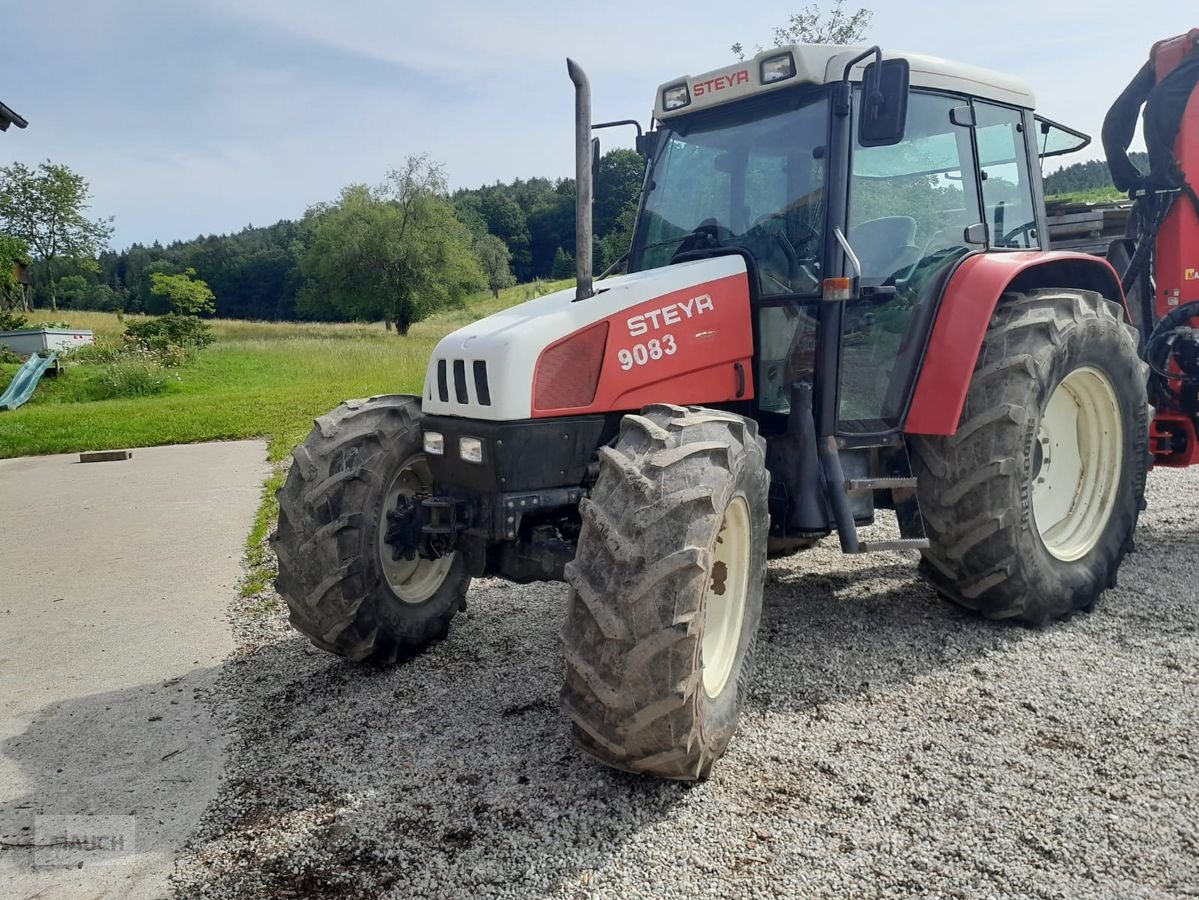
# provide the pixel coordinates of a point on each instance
(967, 304)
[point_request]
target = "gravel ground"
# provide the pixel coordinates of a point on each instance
(891, 746)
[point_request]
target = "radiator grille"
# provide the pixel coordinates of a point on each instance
(466, 380)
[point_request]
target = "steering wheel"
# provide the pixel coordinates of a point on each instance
(707, 233)
(1027, 229)
(790, 248)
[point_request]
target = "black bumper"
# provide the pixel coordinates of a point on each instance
(529, 455)
(529, 467)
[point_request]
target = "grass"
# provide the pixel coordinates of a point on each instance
(1092, 195)
(259, 379)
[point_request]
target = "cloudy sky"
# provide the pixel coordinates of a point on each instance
(201, 116)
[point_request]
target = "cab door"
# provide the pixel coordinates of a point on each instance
(914, 211)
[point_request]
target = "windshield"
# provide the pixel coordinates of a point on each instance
(751, 176)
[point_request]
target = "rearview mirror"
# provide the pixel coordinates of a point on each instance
(883, 112)
(647, 144)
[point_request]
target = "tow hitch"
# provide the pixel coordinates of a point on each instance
(424, 526)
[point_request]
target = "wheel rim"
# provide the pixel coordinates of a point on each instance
(1077, 463)
(724, 597)
(412, 580)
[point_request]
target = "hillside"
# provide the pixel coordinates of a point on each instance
(1090, 178)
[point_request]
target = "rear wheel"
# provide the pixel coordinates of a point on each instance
(347, 588)
(1031, 506)
(667, 592)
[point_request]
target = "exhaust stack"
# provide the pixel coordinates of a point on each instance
(583, 186)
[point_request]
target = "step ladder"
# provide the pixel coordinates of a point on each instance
(902, 489)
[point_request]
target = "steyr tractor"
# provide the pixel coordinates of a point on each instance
(839, 298)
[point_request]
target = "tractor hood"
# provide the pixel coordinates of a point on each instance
(669, 333)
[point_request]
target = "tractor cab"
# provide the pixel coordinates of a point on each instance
(820, 164)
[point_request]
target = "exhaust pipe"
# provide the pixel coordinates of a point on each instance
(583, 185)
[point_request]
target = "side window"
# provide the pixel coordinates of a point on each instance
(910, 203)
(909, 207)
(1007, 191)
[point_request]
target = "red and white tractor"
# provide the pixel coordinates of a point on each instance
(839, 298)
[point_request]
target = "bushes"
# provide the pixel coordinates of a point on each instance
(132, 375)
(101, 352)
(11, 320)
(140, 364)
(157, 334)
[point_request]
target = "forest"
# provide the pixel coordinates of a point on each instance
(303, 269)
(1087, 176)
(259, 272)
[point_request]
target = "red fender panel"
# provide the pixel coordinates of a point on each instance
(966, 308)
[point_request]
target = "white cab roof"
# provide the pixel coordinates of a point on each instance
(825, 64)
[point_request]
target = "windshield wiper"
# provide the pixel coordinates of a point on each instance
(677, 238)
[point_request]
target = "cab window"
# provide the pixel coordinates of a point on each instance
(1003, 164)
(910, 206)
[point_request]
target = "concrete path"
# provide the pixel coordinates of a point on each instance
(114, 579)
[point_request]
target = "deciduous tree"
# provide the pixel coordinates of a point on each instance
(496, 262)
(46, 208)
(812, 25)
(187, 294)
(395, 252)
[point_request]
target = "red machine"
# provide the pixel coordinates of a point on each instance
(1159, 260)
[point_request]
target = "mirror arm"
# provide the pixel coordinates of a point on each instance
(617, 123)
(874, 95)
(875, 51)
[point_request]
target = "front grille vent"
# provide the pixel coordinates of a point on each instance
(461, 387)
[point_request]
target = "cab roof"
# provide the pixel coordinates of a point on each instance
(825, 64)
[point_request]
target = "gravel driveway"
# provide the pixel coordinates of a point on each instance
(891, 745)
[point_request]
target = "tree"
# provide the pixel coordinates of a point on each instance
(564, 265)
(71, 290)
(619, 185)
(496, 261)
(13, 253)
(395, 251)
(187, 294)
(812, 25)
(45, 208)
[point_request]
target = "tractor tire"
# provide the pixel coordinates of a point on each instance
(1031, 505)
(344, 589)
(667, 592)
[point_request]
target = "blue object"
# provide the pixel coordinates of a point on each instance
(26, 381)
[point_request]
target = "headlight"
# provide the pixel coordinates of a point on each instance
(675, 97)
(470, 449)
(434, 443)
(777, 68)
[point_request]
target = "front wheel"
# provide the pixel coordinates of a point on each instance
(667, 592)
(347, 587)
(1031, 505)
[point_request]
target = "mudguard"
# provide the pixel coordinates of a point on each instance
(964, 314)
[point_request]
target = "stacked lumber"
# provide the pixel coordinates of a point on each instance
(1088, 227)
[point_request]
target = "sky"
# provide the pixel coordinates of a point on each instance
(193, 117)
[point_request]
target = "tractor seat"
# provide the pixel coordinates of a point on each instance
(885, 246)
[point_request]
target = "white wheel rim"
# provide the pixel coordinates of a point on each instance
(1077, 463)
(412, 580)
(724, 597)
